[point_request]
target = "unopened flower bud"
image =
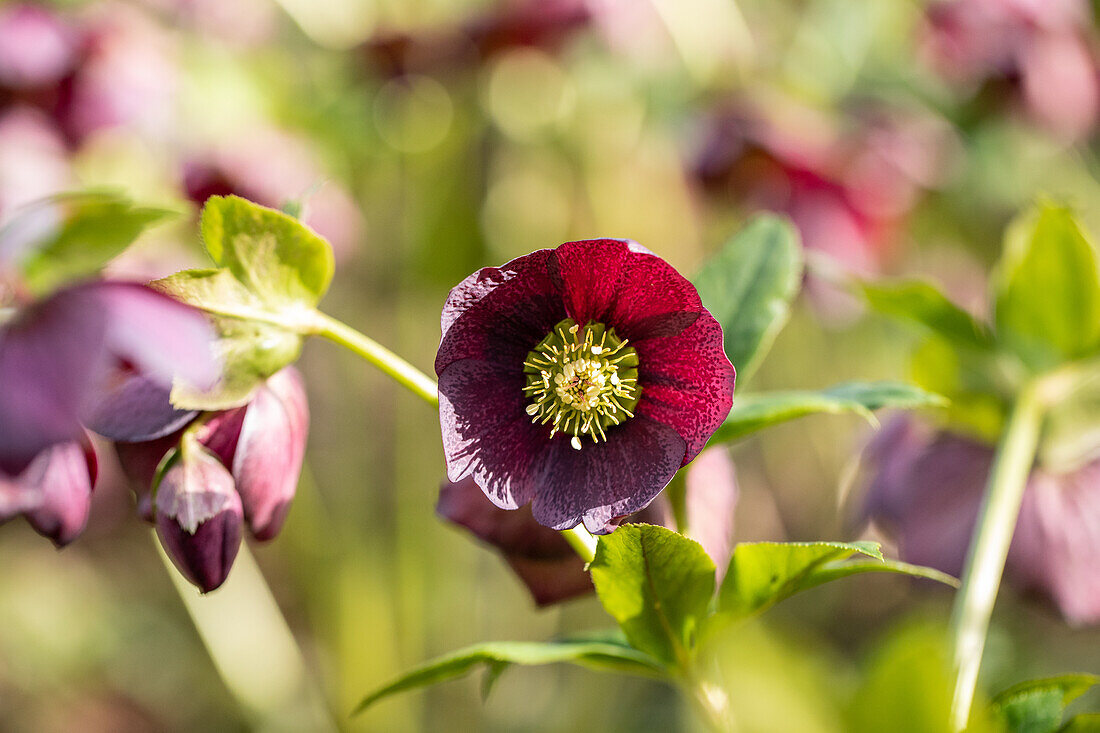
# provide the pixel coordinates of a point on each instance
(54, 492)
(267, 459)
(198, 516)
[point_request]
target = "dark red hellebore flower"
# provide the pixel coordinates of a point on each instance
(579, 379)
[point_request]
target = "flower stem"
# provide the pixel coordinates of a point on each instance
(989, 546)
(393, 365)
(581, 541)
(253, 649)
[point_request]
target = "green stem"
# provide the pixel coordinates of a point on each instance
(676, 491)
(253, 649)
(402, 371)
(582, 541)
(989, 546)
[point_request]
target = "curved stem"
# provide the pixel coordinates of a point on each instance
(989, 546)
(582, 542)
(402, 371)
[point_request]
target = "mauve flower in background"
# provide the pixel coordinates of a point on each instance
(272, 167)
(199, 515)
(927, 491)
(262, 444)
(34, 161)
(848, 188)
(578, 379)
(1037, 55)
(548, 565)
(37, 48)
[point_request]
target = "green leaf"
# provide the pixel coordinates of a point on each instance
(763, 573)
(1047, 289)
(657, 585)
(249, 352)
(275, 256)
(1085, 723)
(599, 655)
(755, 412)
(71, 236)
(922, 303)
(255, 339)
(748, 287)
(1037, 706)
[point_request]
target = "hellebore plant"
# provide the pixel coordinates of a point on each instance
(574, 385)
(62, 352)
(579, 379)
(1027, 380)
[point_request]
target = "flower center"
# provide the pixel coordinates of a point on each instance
(581, 381)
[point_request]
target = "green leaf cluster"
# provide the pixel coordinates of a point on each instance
(749, 286)
(1044, 299)
(271, 272)
(660, 588)
(71, 236)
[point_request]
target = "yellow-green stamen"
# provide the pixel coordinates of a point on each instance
(581, 381)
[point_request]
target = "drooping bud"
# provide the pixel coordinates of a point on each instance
(267, 459)
(65, 489)
(139, 462)
(54, 492)
(199, 515)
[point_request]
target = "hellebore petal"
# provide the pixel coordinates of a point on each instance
(617, 281)
(1057, 541)
(267, 460)
(927, 493)
(540, 556)
(688, 382)
(199, 517)
(49, 356)
(65, 491)
(54, 492)
(711, 500)
(58, 356)
(553, 335)
(163, 340)
(498, 314)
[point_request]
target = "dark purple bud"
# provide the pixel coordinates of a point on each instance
(269, 452)
(198, 517)
(541, 558)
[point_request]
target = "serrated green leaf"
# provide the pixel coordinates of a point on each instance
(276, 257)
(755, 412)
(72, 236)
(748, 287)
(763, 573)
(1047, 289)
(922, 303)
(599, 655)
(657, 585)
(1037, 706)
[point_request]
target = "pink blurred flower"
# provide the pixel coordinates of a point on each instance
(926, 493)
